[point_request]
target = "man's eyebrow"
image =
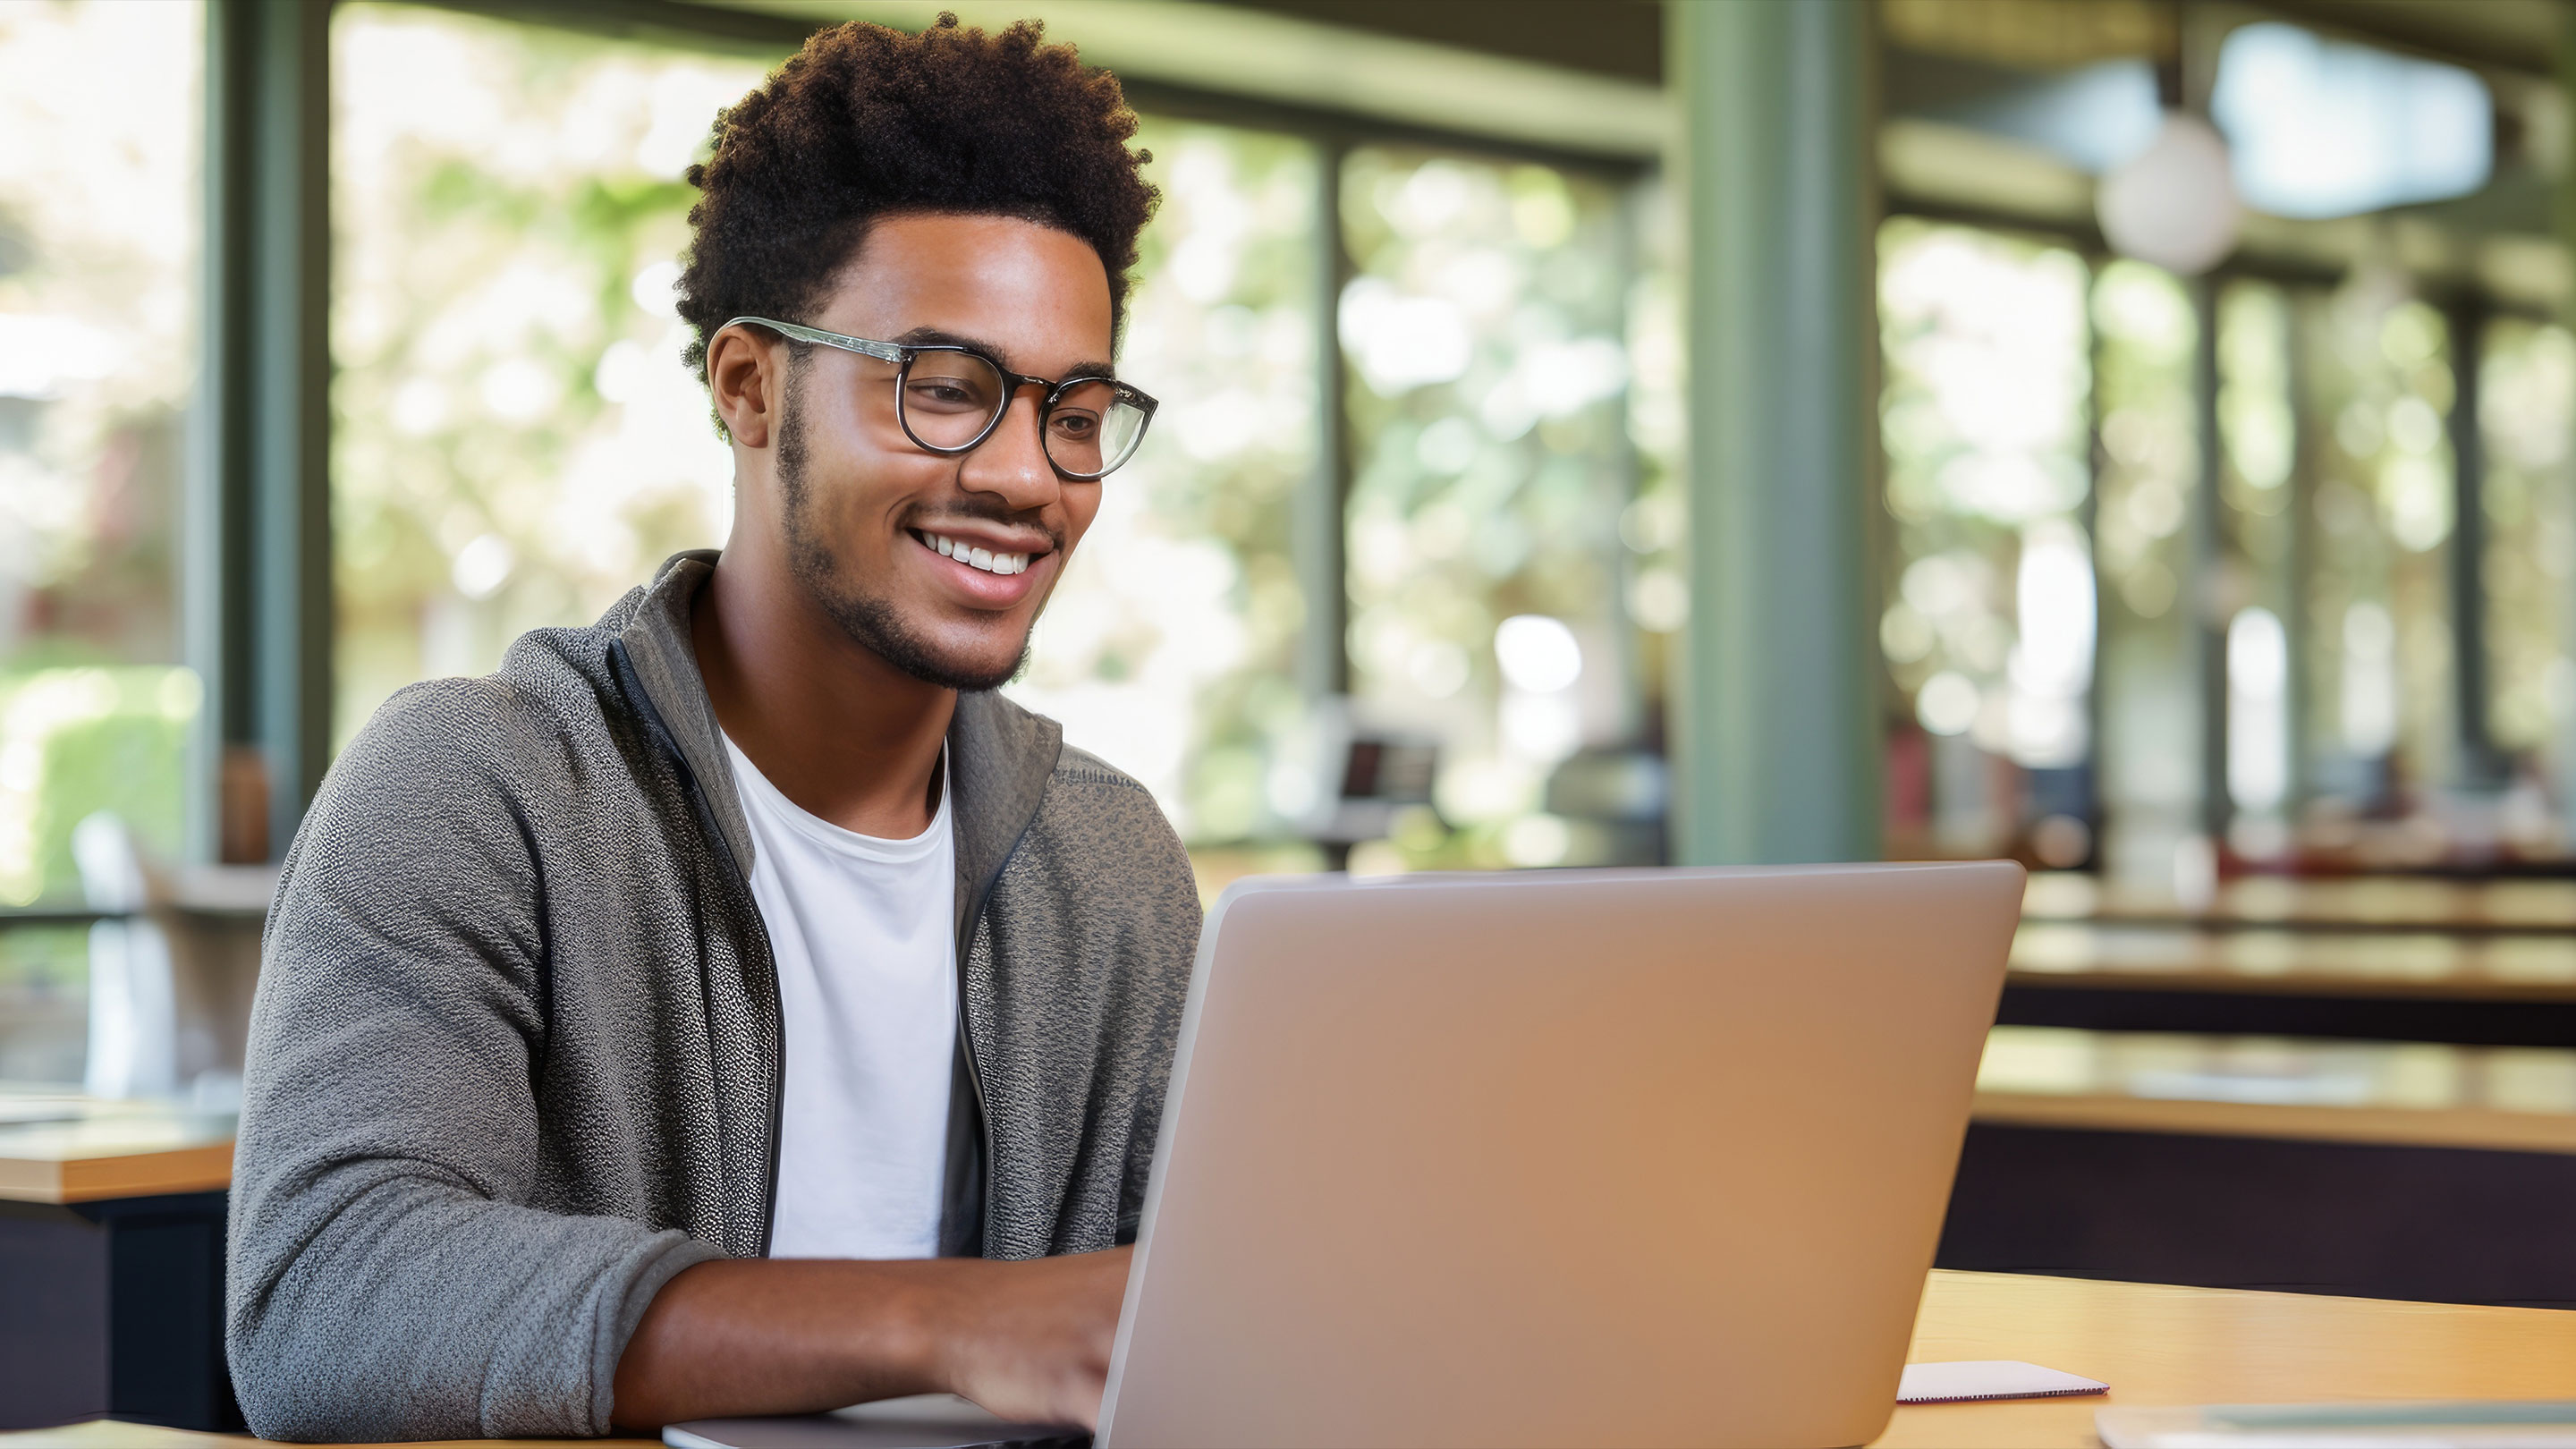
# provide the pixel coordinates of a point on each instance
(936, 337)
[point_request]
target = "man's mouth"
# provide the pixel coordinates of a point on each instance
(974, 555)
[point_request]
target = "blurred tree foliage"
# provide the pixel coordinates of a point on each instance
(1170, 648)
(1486, 329)
(2527, 413)
(79, 741)
(515, 442)
(98, 288)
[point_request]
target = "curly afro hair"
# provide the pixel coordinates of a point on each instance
(867, 122)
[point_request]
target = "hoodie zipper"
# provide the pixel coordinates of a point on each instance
(740, 881)
(777, 1079)
(777, 1019)
(975, 1083)
(966, 1034)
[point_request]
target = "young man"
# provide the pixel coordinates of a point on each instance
(734, 1006)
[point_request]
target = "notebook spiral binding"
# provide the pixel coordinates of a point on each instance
(2024, 1394)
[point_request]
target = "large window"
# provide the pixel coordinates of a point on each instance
(99, 204)
(2307, 656)
(515, 442)
(2382, 719)
(2147, 495)
(2253, 568)
(1485, 333)
(1988, 629)
(2527, 418)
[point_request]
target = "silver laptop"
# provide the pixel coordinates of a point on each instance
(1605, 1158)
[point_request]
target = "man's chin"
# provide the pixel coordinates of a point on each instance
(968, 676)
(968, 659)
(967, 667)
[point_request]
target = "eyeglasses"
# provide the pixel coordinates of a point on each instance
(949, 399)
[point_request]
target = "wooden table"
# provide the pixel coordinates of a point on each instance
(66, 1148)
(2360, 902)
(2476, 986)
(2482, 966)
(112, 1205)
(2512, 1099)
(2159, 1345)
(2152, 1344)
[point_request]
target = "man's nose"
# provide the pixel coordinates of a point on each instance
(1012, 463)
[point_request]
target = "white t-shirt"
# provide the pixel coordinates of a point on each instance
(867, 983)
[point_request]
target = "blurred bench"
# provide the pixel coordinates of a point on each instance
(2398, 1169)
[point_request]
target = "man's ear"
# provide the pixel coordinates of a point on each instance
(747, 376)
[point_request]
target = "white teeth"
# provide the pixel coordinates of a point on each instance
(982, 558)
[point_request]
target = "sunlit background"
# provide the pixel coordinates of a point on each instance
(2185, 566)
(98, 321)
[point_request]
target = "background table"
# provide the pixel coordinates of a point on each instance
(2152, 1344)
(2365, 902)
(2359, 1086)
(111, 1244)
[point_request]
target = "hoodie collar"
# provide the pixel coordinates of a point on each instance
(1000, 756)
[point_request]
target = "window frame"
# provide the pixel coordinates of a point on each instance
(2466, 308)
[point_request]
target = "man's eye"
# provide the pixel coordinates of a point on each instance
(1076, 425)
(943, 393)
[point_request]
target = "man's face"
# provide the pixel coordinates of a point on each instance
(864, 509)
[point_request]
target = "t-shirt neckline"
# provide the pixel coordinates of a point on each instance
(841, 839)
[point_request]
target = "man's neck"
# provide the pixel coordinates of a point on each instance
(842, 733)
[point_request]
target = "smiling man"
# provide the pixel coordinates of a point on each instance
(734, 1006)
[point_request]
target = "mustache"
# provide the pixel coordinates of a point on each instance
(969, 511)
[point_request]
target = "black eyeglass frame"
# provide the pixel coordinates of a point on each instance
(902, 356)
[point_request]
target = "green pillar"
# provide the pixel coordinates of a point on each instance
(2563, 744)
(1777, 741)
(258, 617)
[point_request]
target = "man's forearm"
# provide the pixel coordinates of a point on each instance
(783, 1336)
(777, 1336)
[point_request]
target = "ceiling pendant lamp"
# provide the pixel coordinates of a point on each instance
(2173, 204)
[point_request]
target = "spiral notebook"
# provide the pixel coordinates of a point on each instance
(1966, 1382)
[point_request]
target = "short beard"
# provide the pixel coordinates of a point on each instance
(870, 621)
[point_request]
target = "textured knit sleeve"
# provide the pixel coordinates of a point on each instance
(1168, 939)
(389, 1277)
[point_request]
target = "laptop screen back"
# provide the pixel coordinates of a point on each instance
(1637, 1158)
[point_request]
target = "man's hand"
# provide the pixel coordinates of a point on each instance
(1030, 1341)
(1027, 1340)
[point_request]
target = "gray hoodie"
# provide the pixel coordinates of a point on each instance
(516, 1054)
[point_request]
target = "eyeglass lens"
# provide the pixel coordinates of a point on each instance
(950, 399)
